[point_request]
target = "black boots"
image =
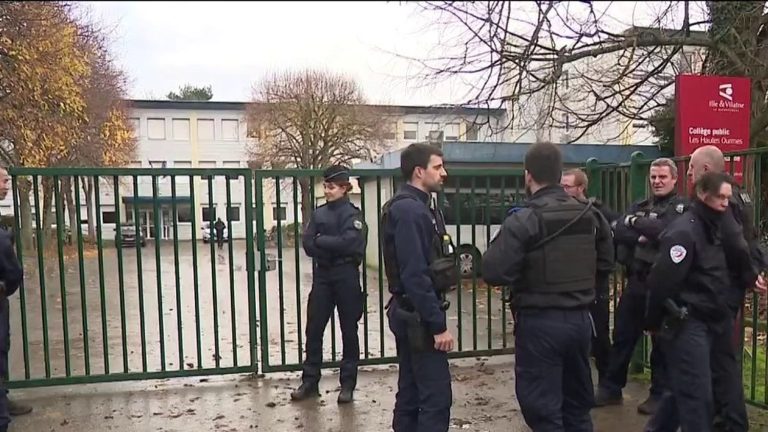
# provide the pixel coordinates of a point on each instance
(305, 391)
(345, 396)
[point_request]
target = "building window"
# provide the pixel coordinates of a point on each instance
(472, 129)
(410, 130)
(390, 131)
(156, 129)
(451, 132)
(205, 129)
(233, 213)
(184, 214)
(208, 214)
(229, 130)
(232, 164)
(108, 217)
(278, 213)
(207, 164)
(136, 127)
(180, 129)
(182, 165)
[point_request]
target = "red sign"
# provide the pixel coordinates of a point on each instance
(713, 110)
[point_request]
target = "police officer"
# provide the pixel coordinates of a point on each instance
(636, 236)
(687, 304)
(335, 238)
(575, 183)
(738, 226)
(11, 275)
(419, 272)
(550, 252)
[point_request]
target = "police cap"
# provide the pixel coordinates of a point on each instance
(336, 174)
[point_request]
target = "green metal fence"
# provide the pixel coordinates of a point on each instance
(101, 310)
(133, 305)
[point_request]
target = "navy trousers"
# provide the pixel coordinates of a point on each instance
(552, 371)
(424, 396)
(336, 287)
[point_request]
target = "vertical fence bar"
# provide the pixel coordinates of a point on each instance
(281, 292)
(212, 214)
(361, 185)
(100, 252)
(62, 272)
(263, 317)
(458, 205)
(487, 214)
(20, 255)
(380, 266)
(120, 277)
(195, 276)
(157, 216)
(249, 265)
(230, 246)
(502, 216)
(78, 225)
(140, 271)
(42, 274)
(297, 258)
(177, 273)
(475, 262)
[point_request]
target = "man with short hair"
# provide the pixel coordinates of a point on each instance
(575, 183)
(550, 252)
(418, 269)
(636, 235)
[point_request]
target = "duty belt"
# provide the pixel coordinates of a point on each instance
(337, 262)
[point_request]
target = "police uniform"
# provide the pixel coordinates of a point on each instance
(412, 233)
(335, 238)
(549, 252)
(646, 218)
(600, 310)
(11, 275)
(687, 307)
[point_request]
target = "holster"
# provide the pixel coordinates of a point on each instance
(673, 321)
(419, 337)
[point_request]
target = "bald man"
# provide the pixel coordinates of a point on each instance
(745, 260)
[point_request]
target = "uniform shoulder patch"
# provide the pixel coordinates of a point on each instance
(680, 208)
(677, 253)
(357, 224)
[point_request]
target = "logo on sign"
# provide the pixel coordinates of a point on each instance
(726, 91)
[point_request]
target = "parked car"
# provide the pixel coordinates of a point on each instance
(128, 236)
(207, 236)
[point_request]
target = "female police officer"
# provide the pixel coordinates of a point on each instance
(335, 238)
(687, 305)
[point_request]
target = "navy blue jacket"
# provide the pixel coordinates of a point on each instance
(335, 232)
(411, 227)
(11, 272)
(650, 228)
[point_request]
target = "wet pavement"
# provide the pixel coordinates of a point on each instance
(484, 401)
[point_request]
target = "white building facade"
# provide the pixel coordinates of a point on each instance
(213, 135)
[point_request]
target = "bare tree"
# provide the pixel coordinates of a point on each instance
(576, 65)
(310, 119)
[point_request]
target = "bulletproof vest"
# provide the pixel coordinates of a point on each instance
(566, 262)
(744, 211)
(442, 261)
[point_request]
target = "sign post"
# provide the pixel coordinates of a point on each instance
(713, 110)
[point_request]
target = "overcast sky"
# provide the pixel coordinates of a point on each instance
(231, 45)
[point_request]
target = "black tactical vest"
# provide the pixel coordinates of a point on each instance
(443, 267)
(567, 262)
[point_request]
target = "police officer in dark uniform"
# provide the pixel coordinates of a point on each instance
(687, 305)
(550, 252)
(335, 238)
(575, 183)
(738, 226)
(636, 235)
(420, 268)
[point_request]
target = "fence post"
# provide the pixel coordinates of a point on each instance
(637, 190)
(595, 178)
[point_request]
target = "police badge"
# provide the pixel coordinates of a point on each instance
(357, 224)
(680, 207)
